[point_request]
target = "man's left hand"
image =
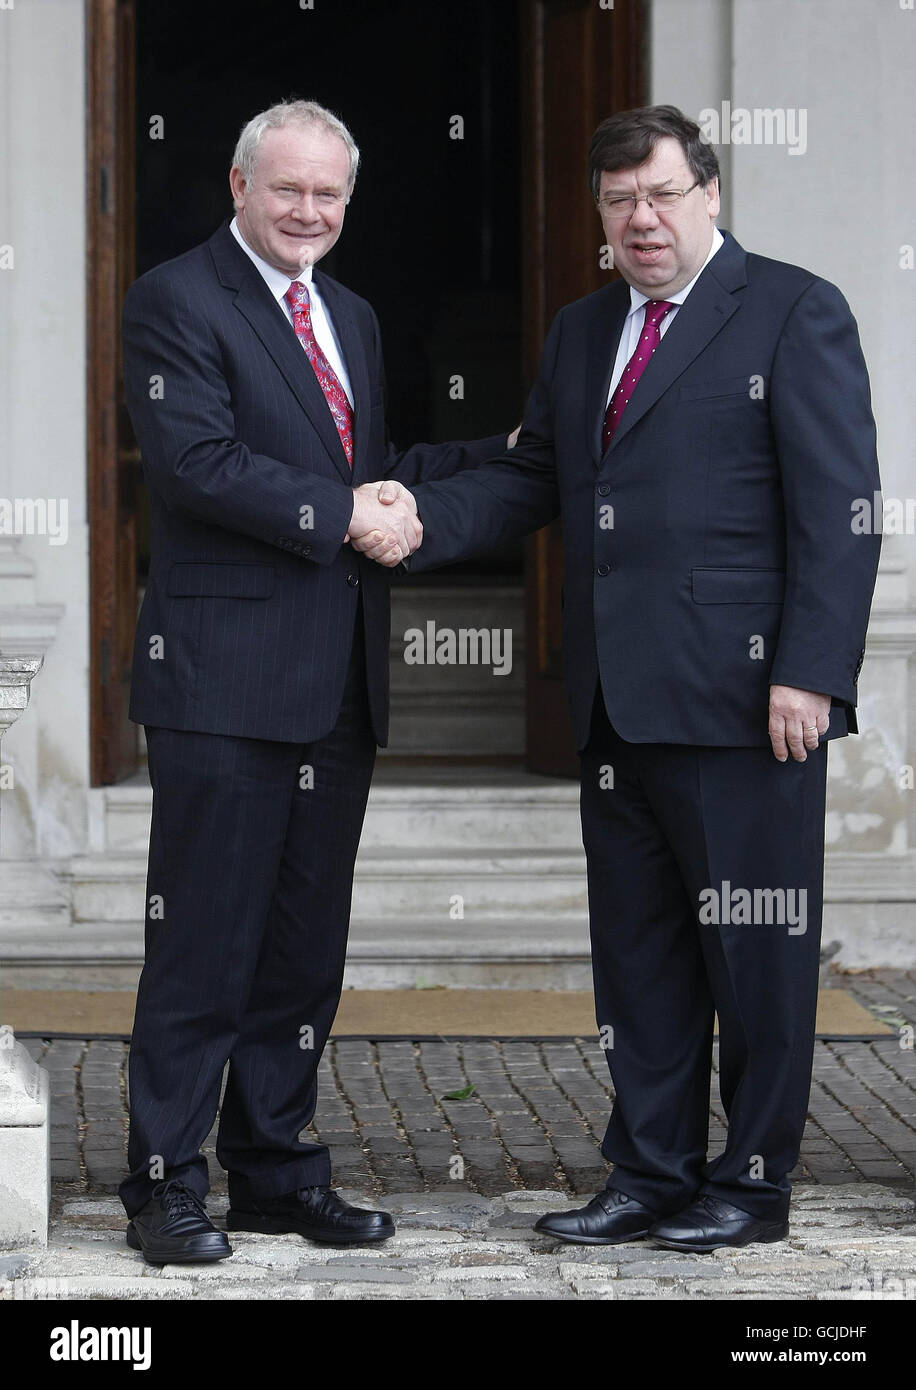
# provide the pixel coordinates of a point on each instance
(797, 720)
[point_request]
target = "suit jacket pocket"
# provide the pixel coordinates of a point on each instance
(199, 579)
(738, 585)
(726, 386)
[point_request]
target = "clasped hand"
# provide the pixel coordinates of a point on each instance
(384, 524)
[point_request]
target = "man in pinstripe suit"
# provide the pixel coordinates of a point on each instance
(256, 391)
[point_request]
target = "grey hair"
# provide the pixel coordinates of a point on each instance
(291, 113)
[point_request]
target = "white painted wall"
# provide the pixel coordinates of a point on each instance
(42, 414)
(845, 207)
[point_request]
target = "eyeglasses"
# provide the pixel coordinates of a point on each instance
(624, 205)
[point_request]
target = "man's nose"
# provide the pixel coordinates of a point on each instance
(305, 208)
(644, 217)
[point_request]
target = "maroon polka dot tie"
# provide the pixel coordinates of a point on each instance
(649, 339)
(297, 297)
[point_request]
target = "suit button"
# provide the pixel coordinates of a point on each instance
(603, 489)
(352, 580)
(603, 570)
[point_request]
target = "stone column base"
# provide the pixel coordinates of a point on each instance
(25, 1178)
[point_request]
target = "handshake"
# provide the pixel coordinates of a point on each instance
(384, 524)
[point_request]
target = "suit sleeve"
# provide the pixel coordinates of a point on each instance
(510, 496)
(820, 410)
(181, 409)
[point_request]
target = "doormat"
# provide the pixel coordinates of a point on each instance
(397, 1013)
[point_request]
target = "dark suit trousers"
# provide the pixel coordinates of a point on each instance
(680, 820)
(245, 958)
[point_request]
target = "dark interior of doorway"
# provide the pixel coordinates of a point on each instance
(433, 234)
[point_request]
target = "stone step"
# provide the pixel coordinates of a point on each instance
(521, 953)
(33, 898)
(528, 952)
(425, 883)
(524, 921)
(508, 811)
(456, 709)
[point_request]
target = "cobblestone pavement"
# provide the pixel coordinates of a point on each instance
(534, 1119)
(468, 1170)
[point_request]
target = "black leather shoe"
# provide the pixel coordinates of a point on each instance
(709, 1223)
(174, 1228)
(611, 1218)
(317, 1213)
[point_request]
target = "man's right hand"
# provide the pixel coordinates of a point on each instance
(387, 531)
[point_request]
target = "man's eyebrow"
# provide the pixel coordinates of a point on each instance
(656, 187)
(328, 186)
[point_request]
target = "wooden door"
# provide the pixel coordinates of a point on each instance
(580, 63)
(113, 460)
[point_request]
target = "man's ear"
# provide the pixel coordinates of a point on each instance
(711, 192)
(237, 186)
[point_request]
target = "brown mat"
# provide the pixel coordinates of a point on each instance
(379, 1013)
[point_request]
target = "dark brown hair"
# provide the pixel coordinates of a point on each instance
(627, 140)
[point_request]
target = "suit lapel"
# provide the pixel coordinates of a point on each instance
(609, 316)
(267, 319)
(706, 310)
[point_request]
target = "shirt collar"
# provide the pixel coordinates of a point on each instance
(638, 299)
(278, 282)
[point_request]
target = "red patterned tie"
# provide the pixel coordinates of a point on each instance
(297, 297)
(649, 339)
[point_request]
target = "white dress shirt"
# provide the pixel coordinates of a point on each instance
(278, 283)
(636, 318)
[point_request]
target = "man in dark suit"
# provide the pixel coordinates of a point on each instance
(703, 427)
(256, 390)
